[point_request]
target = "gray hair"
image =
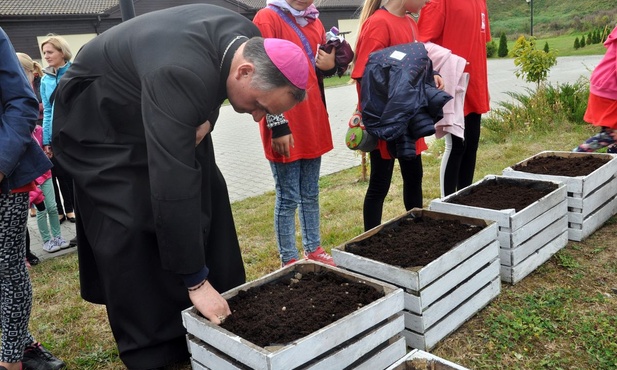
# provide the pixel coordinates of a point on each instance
(267, 76)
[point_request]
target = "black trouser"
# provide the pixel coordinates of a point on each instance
(379, 185)
(120, 265)
(461, 163)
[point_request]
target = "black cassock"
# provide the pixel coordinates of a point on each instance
(151, 205)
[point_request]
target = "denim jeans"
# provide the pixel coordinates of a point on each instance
(297, 187)
(50, 212)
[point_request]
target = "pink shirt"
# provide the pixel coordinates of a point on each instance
(603, 81)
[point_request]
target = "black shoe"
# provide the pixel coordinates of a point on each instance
(32, 259)
(36, 357)
(73, 242)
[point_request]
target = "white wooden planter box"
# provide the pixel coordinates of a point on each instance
(528, 237)
(368, 338)
(420, 360)
(442, 295)
(592, 199)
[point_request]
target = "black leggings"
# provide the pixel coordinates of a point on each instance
(460, 162)
(379, 185)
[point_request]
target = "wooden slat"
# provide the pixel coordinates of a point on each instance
(385, 357)
(452, 321)
(579, 232)
(514, 274)
(352, 351)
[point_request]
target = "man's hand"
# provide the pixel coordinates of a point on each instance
(282, 144)
(210, 303)
(202, 131)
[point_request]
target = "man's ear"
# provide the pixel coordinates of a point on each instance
(244, 70)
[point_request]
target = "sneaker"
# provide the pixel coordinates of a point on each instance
(60, 242)
(36, 357)
(32, 259)
(320, 255)
(290, 262)
(50, 246)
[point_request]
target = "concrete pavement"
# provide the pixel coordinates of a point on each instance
(239, 152)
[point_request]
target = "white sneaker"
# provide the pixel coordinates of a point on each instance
(60, 242)
(50, 246)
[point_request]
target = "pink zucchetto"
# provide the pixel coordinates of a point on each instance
(289, 59)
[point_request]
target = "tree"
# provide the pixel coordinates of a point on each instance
(546, 49)
(503, 46)
(577, 44)
(532, 64)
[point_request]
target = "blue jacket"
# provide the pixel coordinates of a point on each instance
(21, 158)
(48, 85)
(400, 102)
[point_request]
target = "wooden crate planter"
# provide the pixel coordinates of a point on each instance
(442, 295)
(420, 360)
(528, 237)
(592, 199)
(369, 338)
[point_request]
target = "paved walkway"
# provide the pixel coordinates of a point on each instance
(240, 155)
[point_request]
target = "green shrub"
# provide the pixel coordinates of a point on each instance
(535, 111)
(503, 46)
(532, 64)
(491, 49)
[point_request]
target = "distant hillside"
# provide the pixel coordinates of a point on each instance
(550, 17)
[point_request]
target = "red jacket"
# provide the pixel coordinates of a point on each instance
(463, 27)
(308, 120)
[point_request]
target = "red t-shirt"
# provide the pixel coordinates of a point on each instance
(381, 30)
(463, 27)
(308, 120)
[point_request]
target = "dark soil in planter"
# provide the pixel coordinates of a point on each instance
(413, 241)
(562, 166)
(503, 194)
(295, 306)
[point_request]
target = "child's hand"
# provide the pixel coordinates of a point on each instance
(439, 83)
(325, 61)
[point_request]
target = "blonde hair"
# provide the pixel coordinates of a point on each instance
(30, 66)
(59, 44)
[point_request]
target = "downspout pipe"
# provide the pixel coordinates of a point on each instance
(127, 9)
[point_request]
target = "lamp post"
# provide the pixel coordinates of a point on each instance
(530, 2)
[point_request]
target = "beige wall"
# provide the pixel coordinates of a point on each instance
(345, 25)
(75, 43)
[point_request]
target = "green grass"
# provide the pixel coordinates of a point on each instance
(563, 45)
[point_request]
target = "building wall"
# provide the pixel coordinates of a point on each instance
(24, 34)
